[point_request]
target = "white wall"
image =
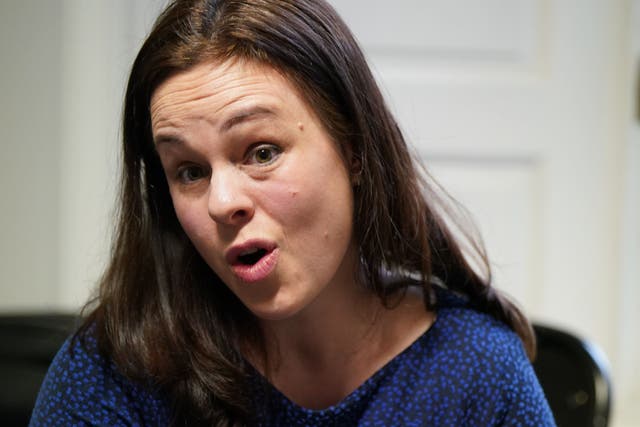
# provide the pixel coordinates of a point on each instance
(64, 65)
(30, 45)
(97, 48)
(628, 351)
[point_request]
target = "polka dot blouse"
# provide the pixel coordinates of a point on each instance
(467, 370)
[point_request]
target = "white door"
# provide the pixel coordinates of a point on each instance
(518, 109)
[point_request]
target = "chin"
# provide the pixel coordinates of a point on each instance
(276, 311)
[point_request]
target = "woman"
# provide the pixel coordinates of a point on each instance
(278, 259)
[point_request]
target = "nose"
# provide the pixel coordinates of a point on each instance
(229, 202)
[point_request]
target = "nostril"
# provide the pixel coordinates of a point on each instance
(240, 214)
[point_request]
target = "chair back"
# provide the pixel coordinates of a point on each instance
(574, 375)
(28, 345)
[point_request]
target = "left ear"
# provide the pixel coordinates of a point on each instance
(354, 163)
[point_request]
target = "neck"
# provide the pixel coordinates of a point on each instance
(325, 352)
(333, 327)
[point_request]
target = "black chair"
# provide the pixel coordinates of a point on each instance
(575, 378)
(28, 343)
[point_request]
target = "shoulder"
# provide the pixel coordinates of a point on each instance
(474, 348)
(82, 384)
(467, 334)
(477, 334)
(478, 366)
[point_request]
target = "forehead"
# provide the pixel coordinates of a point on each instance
(215, 87)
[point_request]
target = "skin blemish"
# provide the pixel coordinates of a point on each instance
(300, 126)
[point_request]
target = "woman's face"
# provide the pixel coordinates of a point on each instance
(258, 185)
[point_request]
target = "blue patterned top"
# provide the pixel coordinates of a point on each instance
(468, 369)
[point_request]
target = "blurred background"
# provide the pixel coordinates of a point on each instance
(527, 111)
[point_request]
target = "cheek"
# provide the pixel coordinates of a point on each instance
(188, 221)
(280, 196)
(281, 200)
(201, 231)
(314, 206)
(194, 221)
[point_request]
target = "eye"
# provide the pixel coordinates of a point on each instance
(191, 173)
(263, 154)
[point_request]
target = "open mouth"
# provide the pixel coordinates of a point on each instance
(251, 256)
(253, 260)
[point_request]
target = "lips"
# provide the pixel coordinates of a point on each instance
(253, 260)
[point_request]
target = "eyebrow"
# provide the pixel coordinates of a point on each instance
(167, 139)
(240, 117)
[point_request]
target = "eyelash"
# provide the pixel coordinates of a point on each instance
(184, 170)
(274, 151)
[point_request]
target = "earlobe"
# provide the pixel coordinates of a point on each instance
(353, 163)
(355, 170)
(356, 176)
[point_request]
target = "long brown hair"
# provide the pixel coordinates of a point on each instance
(161, 314)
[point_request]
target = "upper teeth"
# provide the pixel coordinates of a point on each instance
(249, 251)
